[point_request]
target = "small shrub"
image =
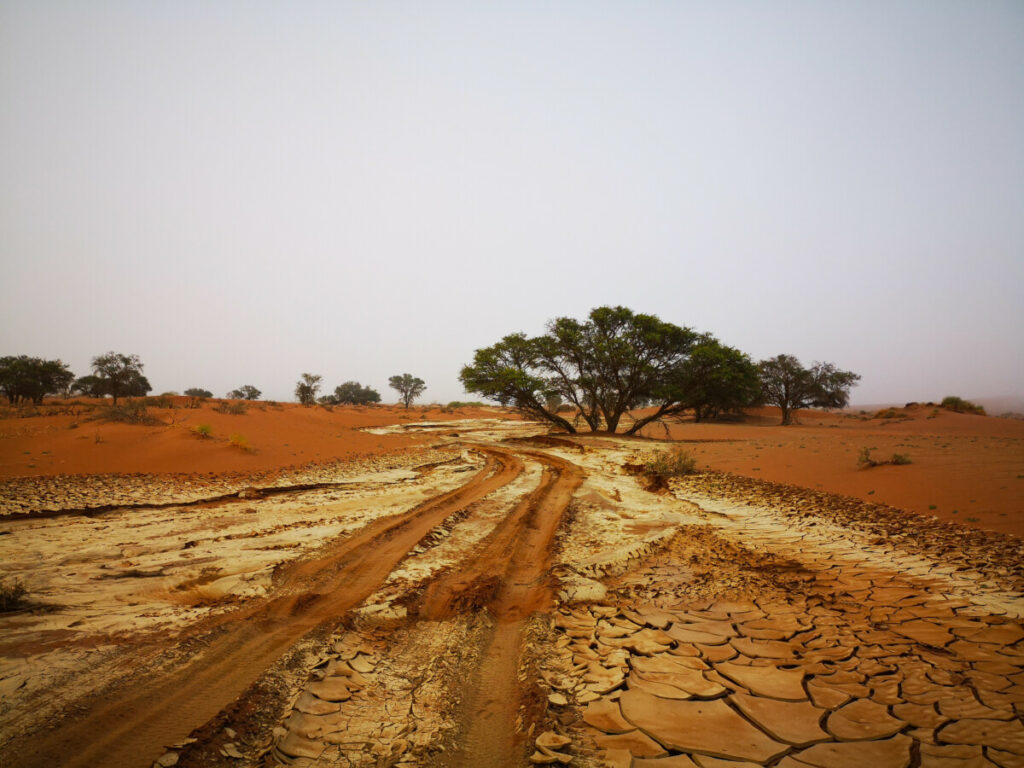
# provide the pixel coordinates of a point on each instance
(198, 392)
(666, 464)
(864, 459)
(233, 409)
(163, 401)
(959, 405)
(203, 431)
(241, 442)
(12, 596)
(466, 404)
(129, 412)
(900, 458)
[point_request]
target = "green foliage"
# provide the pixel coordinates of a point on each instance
(130, 412)
(466, 404)
(900, 459)
(30, 379)
(409, 387)
(203, 431)
(666, 464)
(614, 361)
(241, 442)
(354, 393)
(306, 389)
(864, 459)
(232, 409)
(959, 405)
(12, 595)
(120, 375)
(717, 379)
(197, 392)
(245, 392)
(787, 384)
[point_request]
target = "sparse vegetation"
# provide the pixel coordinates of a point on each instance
(671, 463)
(241, 442)
(160, 401)
(352, 393)
(466, 404)
(787, 384)
(959, 405)
(866, 461)
(130, 412)
(197, 392)
(12, 595)
(203, 431)
(119, 375)
(232, 409)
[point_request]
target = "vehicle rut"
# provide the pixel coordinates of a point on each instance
(165, 707)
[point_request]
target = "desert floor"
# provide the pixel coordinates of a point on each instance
(376, 587)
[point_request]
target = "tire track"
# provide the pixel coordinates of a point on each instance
(164, 708)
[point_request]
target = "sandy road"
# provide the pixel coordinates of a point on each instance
(133, 729)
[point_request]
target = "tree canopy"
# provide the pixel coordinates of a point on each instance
(787, 384)
(409, 387)
(307, 387)
(245, 392)
(33, 378)
(198, 392)
(120, 375)
(615, 361)
(354, 393)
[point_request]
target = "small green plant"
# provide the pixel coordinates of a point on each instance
(233, 409)
(12, 595)
(666, 464)
(203, 431)
(932, 506)
(241, 442)
(959, 405)
(972, 519)
(900, 459)
(865, 460)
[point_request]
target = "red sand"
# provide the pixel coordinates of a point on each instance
(969, 468)
(965, 468)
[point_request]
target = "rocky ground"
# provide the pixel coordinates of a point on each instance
(510, 598)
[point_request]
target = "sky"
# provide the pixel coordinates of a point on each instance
(240, 192)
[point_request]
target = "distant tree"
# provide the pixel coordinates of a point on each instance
(198, 392)
(354, 393)
(33, 378)
(409, 387)
(246, 392)
(90, 386)
(717, 379)
(787, 384)
(122, 375)
(306, 389)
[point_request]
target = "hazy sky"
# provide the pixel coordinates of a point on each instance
(240, 192)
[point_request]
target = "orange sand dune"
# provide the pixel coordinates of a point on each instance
(965, 468)
(279, 435)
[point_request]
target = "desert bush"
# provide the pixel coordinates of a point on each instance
(202, 430)
(466, 404)
(865, 460)
(198, 392)
(12, 595)
(232, 409)
(959, 405)
(161, 401)
(673, 463)
(240, 441)
(128, 412)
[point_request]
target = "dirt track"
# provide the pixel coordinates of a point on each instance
(521, 598)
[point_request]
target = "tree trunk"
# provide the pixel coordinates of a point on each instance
(786, 415)
(612, 422)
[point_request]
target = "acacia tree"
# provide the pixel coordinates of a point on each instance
(718, 379)
(306, 389)
(198, 392)
(409, 387)
(245, 392)
(615, 361)
(33, 378)
(354, 393)
(120, 375)
(787, 384)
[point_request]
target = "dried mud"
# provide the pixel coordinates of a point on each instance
(510, 598)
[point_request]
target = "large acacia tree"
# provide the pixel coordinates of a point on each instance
(787, 384)
(33, 378)
(613, 362)
(120, 375)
